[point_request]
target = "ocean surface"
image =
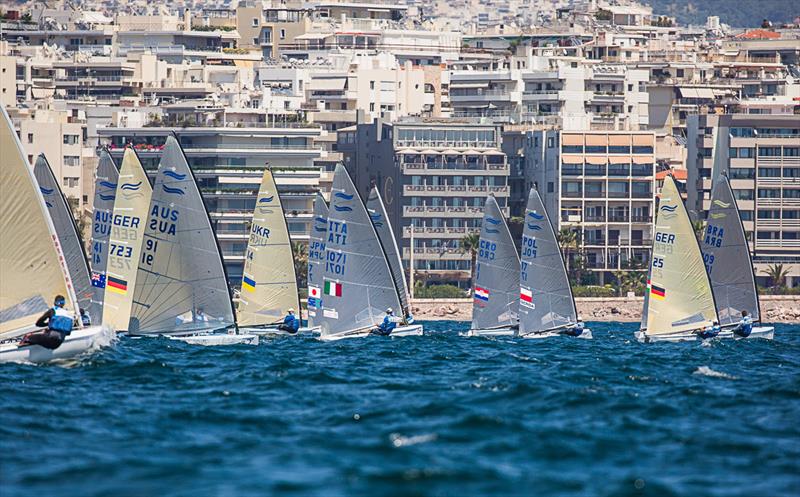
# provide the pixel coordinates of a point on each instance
(439, 415)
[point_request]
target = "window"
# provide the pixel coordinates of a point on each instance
(746, 215)
(572, 149)
(791, 235)
(789, 193)
(70, 182)
(30, 137)
(791, 172)
(371, 85)
(619, 149)
(769, 172)
(642, 149)
(550, 187)
(743, 194)
(72, 160)
(791, 214)
(769, 214)
(769, 193)
(283, 34)
(372, 106)
(71, 139)
(743, 132)
(769, 151)
(742, 173)
(551, 142)
(768, 235)
(791, 151)
(255, 22)
(733, 153)
(745, 153)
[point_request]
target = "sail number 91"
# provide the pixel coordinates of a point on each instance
(150, 248)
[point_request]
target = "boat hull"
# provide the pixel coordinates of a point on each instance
(762, 332)
(216, 339)
(586, 335)
(492, 332)
(269, 331)
(79, 342)
(400, 331)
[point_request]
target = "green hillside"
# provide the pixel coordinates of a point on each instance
(737, 13)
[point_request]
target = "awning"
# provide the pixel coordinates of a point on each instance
(429, 152)
(456, 84)
(571, 159)
(243, 63)
(312, 36)
(688, 92)
(597, 140)
(597, 161)
(642, 159)
(471, 152)
(450, 151)
(619, 140)
(493, 152)
(705, 93)
(643, 140)
(572, 140)
(328, 84)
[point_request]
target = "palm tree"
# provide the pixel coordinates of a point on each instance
(300, 254)
(567, 239)
(777, 274)
(469, 244)
(697, 226)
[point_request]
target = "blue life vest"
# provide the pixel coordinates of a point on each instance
(388, 323)
(61, 321)
(292, 322)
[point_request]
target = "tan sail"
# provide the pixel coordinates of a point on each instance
(269, 284)
(680, 297)
(32, 266)
(125, 243)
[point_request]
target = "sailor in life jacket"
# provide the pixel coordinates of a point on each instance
(575, 330)
(59, 323)
(290, 324)
(710, 331)
(745, 326)
(388, 325)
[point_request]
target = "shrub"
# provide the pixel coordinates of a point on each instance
(439, 292)
(594, 291)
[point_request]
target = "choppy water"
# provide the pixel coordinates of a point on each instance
(434, 415)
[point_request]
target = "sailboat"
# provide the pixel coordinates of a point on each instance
(546, 304)
(357, 282)
(726, 254)
(316, 261)
(377, 212)
(496, 288)
(181, 287)
(269, 282)
(105, 191)
(33, 266)
(128, 219)
(71, 244)
(680, 301)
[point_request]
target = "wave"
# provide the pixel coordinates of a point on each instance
(668, 208)
(131, 186)
(343, 196)
(492, 220)
(266, 200)
(536, 216)
(707, 371)
(342, 208)
(534, 227)
(174, 175)
(46, 191)
(108, 184)
(176, 191)
(492, 231)
(106, 197)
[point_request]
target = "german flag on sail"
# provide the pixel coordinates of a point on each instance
(657, 292)
(248, 284)
(117, 285)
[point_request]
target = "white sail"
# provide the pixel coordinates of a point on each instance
(680, 297)
(105, 191)
(269, 283)
(128, 221)
(181, 285)
(377, 212)
(68, 236)
(32, 266)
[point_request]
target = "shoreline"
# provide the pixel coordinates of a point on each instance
(774, 309)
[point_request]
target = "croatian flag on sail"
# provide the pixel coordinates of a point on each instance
(98, 280)
(481, 294)
(333, 288)
(526, 295)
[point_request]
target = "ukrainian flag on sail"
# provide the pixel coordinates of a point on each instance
(248, 284)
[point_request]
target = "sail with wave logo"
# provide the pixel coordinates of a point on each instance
(269, 283)
(316, 259)
(680, 297)
(377, 211)
(32, 264)
(496, 287)
(545, 295)
(128, 220)
(357, 284)
(71, 243)
(105, 191)
(726, 254)
(181, 285)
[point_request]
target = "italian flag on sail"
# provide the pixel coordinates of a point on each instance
(333, 288)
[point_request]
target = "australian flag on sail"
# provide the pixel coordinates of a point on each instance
(98, 280)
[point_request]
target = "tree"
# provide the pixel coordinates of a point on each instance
(567, 239)
(300, 254)
(697, 226)
(469, 244)
(777, 274)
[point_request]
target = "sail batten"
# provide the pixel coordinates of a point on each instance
(680, 297)
(269, 283)
(181, 285)
(68, 236)
(316, 259)
(377, 212)
(545, 299)
(32, 265)
(357, 284)
(496, 287)
(129, 218)
(726, 254)
(105, 192)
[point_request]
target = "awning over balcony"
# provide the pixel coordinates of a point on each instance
(642, 159)
(597, 140)
(328, 84)
(619, 140)
(643, 140)
(598, 161)
(572, 139)
(571, 159)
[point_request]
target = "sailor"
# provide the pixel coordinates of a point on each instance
(575, 330)
(59, 323)
(200, 315)
(388, 325)
(85, 319)
(290, 323)
(745, 326)
(710, 331)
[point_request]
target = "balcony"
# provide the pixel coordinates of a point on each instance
(454, 190)
(455, 168)
(442, 211)
(438, 232)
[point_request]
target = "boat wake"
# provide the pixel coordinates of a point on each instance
(399, 440)
(707, 371)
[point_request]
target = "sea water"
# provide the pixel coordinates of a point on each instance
(433, 415)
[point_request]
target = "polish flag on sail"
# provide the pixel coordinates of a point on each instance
(526, 295)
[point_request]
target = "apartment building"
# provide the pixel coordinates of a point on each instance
(601, 186)
(434, 177)
(228, 163)
(761, 156)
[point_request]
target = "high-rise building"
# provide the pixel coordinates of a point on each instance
(760, 153)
